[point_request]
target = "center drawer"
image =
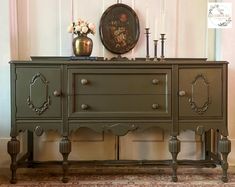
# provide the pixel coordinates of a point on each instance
(119, 92)
(118, 81)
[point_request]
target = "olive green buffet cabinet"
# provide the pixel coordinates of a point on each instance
(120, 96)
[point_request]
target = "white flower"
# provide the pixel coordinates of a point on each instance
(92, 26)
(84, 29)
(83, 24)
(78, 28)
(81, 27)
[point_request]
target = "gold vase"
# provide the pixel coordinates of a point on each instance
(82, 46)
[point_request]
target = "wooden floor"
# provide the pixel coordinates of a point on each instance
(120, 177)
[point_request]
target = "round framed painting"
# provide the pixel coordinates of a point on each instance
(119, 28)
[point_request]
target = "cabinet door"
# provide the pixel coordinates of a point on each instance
(38, 92)
(200, 93)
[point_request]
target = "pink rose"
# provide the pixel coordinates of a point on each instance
(92, 26)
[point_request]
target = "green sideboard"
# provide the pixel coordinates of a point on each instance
(120, 96)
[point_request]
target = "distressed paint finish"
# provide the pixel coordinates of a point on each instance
(115, 88)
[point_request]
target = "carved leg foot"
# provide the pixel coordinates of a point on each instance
(65, 149)
(224, 149)
(13, 148)
(174, 148)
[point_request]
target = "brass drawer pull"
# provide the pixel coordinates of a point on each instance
(84, 107)
(155, 106)
(155, 81)
(56, 93)
(182, 93)
(84, 81)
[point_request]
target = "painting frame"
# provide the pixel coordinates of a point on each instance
(119, 28)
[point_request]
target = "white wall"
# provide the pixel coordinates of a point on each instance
(46, 33)
(4, 80)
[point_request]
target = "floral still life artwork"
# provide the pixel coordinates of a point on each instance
(119, 28)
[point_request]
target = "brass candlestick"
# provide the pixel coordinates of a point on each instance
(147, 43)
(155, 50)
(162, 38)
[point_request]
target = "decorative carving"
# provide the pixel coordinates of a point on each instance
(200, 93)
(120, 129)
(38, 104)
(38, 130)
(200, 130)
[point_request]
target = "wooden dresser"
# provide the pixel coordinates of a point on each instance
(120, 96)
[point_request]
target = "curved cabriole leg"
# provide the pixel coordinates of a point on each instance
(13, 148)
(224, 149)
(174, 148)
(65, 149)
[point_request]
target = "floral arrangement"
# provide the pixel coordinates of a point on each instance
(81, 27)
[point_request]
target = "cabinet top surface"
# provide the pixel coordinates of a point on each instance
(98, 61)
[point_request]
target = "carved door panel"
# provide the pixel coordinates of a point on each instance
(200, 92)
(38, 92)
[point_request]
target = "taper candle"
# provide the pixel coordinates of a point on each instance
(156, 36)
(163, 24)
(147, 18)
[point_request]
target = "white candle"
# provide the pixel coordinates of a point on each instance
(147, 18)
(132, 54)
(156, 30)
(163, 24)
(133, 4)
(163, 6)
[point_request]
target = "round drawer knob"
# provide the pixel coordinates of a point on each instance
(182, 93)
(155, 81)
(155, 106)
(56, 93)
(84, 107)
(84, 81)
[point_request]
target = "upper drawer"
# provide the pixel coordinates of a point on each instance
(119, 81)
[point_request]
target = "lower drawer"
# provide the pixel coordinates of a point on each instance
(120, 106)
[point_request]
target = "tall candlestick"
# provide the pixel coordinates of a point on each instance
(147, 18)
(155, 50)
(147, 44)
(162, 38)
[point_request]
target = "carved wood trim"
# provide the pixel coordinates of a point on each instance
(44, 106)
(194, 106)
